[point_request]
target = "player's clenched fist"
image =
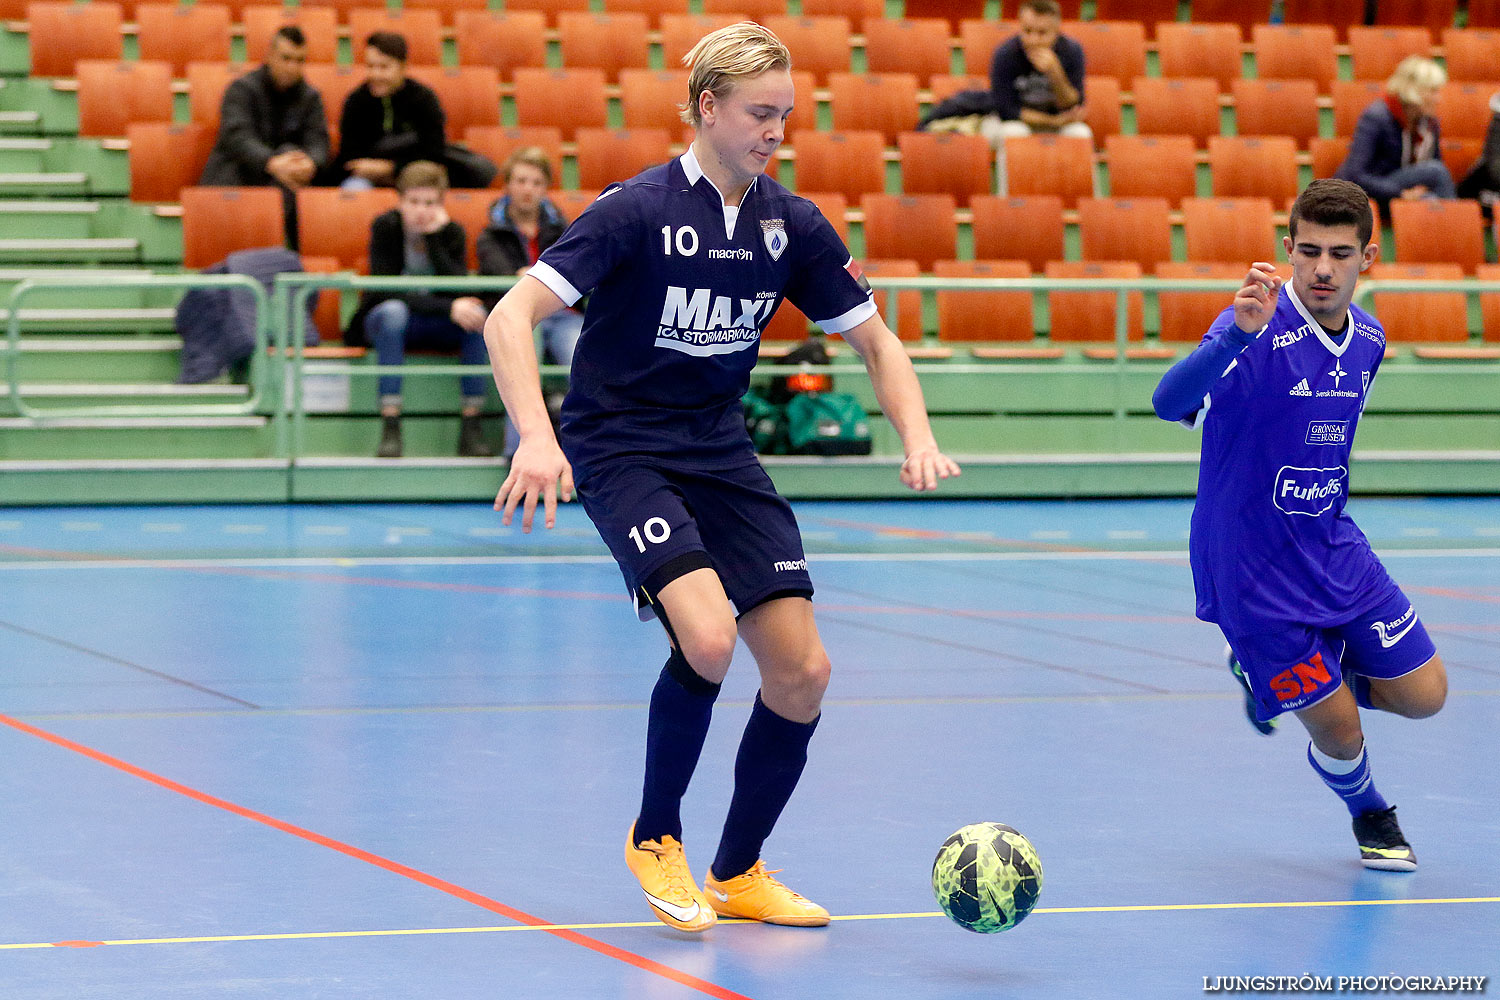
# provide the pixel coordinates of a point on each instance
(1256, 300)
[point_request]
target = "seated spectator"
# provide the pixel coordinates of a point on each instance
(1396, 144)
(523, 223)
(1036, 79)
(1482, 182)
(388, 121)
(272, 128)
(418, 238)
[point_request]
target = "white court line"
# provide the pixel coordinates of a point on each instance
(344, 562)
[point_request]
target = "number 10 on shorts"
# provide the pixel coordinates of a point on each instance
(656, 530)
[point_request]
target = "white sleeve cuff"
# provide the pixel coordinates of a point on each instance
(850, 319)
(560, 286)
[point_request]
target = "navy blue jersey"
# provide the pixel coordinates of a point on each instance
(682, 287)
(1270, 541)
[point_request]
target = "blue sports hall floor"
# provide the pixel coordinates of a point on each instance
(392, 752)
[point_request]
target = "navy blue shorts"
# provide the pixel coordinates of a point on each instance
(662, 523)
(1293, 666)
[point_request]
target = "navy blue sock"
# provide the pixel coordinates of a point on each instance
(1353, 784)
(682, 704)
(772, 754)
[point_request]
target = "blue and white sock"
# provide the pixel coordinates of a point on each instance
(1349, 779)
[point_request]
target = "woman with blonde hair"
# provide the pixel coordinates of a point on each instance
(1395, 150)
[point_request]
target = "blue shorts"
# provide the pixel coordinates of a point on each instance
(662, 523)
(1293, 666)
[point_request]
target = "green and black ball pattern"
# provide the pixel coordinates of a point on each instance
(987, 877)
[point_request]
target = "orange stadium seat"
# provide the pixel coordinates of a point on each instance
(1470, 54)
(979, 39)
(471, 210)
(920, 46)
(1147, 12)
(1230, 230)
(569, 99)
(882, 102)
(335, 84)
(1182, 106)
(1295, 52)
(327, 314)
(177, 34)
(1186, 316)
(1433, 231)
(851, 163)
(1254, 167)
(1190, 49)
(422, 29)
(819, 45)
(1459, 155)
(862, 12)
(1276, 107)
(1434, 15)
(572, 204)
(1050, 164)
(1328, 155)
(1464, 108)
(1489, 302)
(1375, 52)
(945, 86)
(1111, 48)
(498, 143)
(337, 222)
(1143, 166)
(206, 85)
(1350, 98)
(216, 221)
(165, 158)
(908, 324)
(343, 8)
(319, 26)
(917, 226)
(1101, 106)
(946, 163)
(608, 155)
(649, 99)
(755, 10)
(1246, 14)
(654, 10)
(955, 11)
(507, 41)
(62, 33)
(551, 8)
(112, 95)
(1335, 14)
(1029, 229)
(1090, 316)
(447, 10)
(983, 315)
(1137, 229)
(470, 95)
(680, 32)
(1420, 317)
(610, 42)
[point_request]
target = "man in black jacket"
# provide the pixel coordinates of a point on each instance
(418, 238)
(272, 127)
(523, 223)
(388, 121)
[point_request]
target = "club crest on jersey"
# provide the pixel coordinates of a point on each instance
(773, 232)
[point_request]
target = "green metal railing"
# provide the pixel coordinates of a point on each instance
(258, 370)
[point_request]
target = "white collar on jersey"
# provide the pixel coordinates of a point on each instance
(694, 172)
(1337, 350)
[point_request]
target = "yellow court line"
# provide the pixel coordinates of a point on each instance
(414, 932)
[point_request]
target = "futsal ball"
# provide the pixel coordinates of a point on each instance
(987, 877)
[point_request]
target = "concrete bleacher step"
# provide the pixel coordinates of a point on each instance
(56, 217)
(60, 357)
(117, 393)
(60, 183)
(102, 249)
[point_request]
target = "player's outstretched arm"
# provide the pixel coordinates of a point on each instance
(1180, 393)
(538, 470)
(900, 396)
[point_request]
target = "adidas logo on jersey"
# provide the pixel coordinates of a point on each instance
(1300, 389)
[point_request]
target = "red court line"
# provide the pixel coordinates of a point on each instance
(395, 867)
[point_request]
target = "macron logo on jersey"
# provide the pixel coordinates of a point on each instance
(703, 324)
(1309, 492)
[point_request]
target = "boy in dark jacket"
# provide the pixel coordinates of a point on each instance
(417, 237)
(388, 121)
(523, 223)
